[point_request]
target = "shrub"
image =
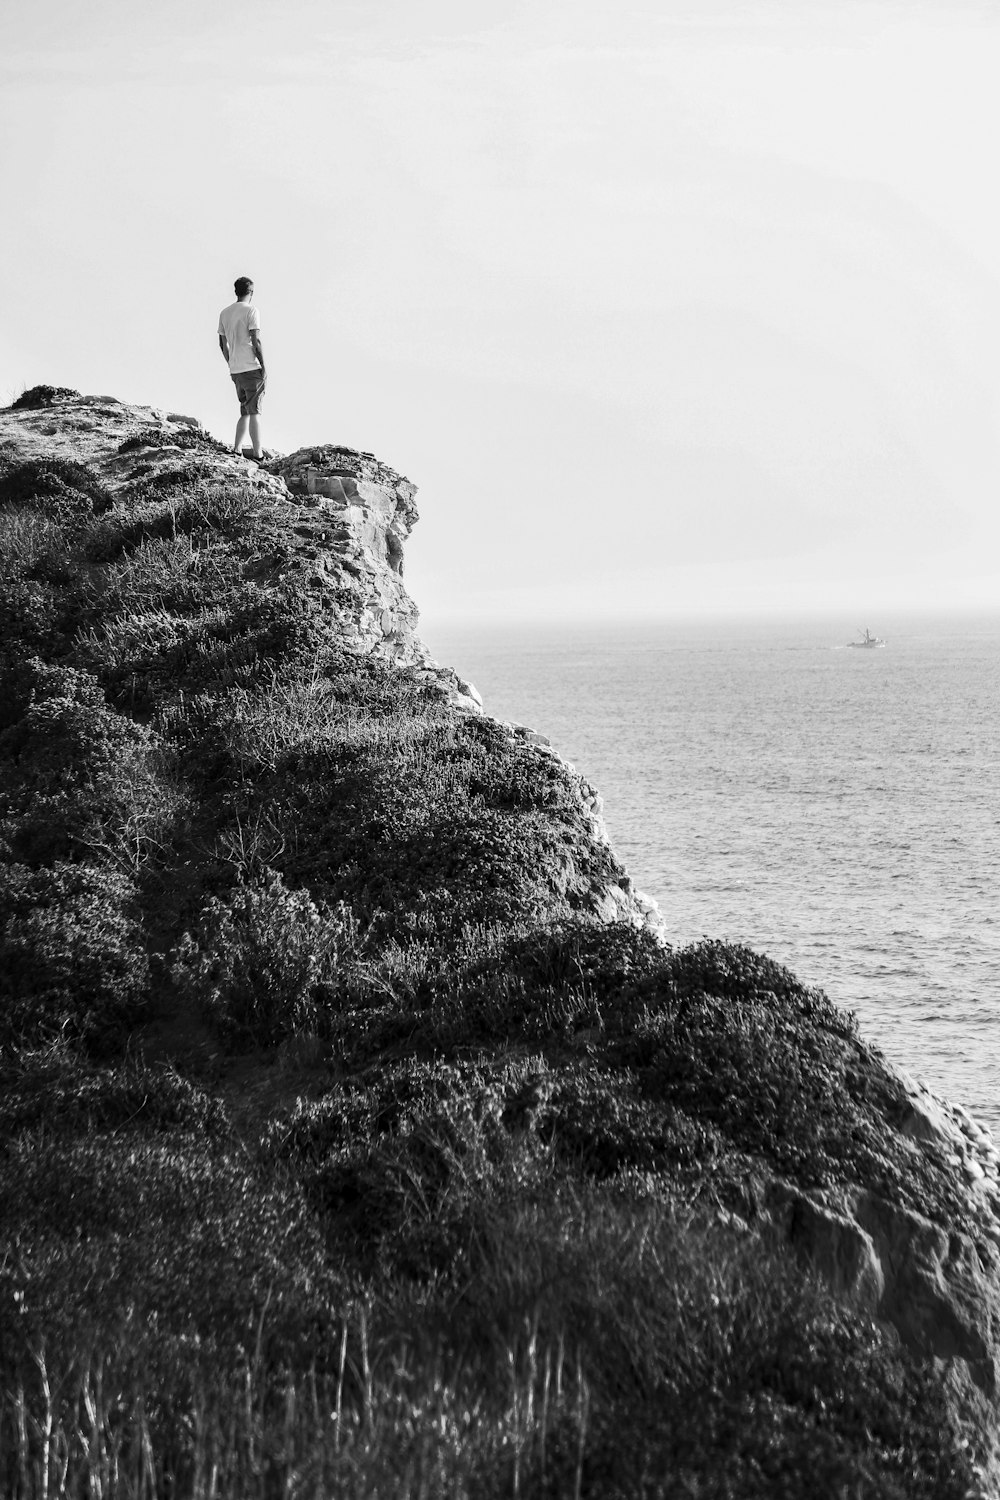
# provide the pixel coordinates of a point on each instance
(43, 395)
(157, 437)
(265, 962)
(733, 1039)
(445, 988)
(66, 1095)
(164, 1243)
(463, 863)
(59, 487)
(30, 624)
(294, 720)
(30, 544)
(605, 958)
(598, 1123)
(409, 1165)
(78, 775)
(184, 476)
(233, 639)
(72, 962)
(407, 822)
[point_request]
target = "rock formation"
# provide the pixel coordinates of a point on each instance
(901, 1216)
(338, 522)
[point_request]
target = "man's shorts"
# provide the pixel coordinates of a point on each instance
(250, 389)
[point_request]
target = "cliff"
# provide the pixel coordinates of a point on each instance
(361, 1131)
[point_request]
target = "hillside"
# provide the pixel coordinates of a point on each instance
(361, 1133)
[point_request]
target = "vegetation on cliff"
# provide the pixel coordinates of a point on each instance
(343, 1151)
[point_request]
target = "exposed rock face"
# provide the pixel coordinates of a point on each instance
(937, 1285)
(939, 1289)
(357, 514)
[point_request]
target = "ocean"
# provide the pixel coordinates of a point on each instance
(837, 809)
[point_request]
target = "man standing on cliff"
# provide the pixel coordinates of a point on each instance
(239, 340)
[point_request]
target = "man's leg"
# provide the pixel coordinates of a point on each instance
(241, 434)
(258, 450)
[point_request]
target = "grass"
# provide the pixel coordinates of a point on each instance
(99, 1434)
(437, 1185)
(26, 538)
(530, 1375)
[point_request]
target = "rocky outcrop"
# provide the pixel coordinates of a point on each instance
(337, 524)
(355, 515)
(940, 1289)
(340, 518)
(936, 1284)
(333, 523)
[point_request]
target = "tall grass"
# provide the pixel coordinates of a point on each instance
(26, 537)
(578, 1358)
(95, 1428)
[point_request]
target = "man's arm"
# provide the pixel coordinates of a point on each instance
(224, 346)
(258, 348)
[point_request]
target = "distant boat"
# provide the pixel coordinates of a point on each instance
(867, 640)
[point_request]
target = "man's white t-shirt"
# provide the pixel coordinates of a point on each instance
(236, 322)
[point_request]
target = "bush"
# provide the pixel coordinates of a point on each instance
(43, 395)
(732, 1039)
(234, 637)
(163, 1242)
(157, 437)
(67, 1096)
(184, 476)
(265, 962)
(79, 778)
(72, 962)
(30, 625)
(32, 546)
(59, 487)
(419, 1156)
(419, 821)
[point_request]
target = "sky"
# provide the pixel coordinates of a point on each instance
(666, 307)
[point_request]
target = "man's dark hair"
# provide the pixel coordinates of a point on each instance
(243, 284)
